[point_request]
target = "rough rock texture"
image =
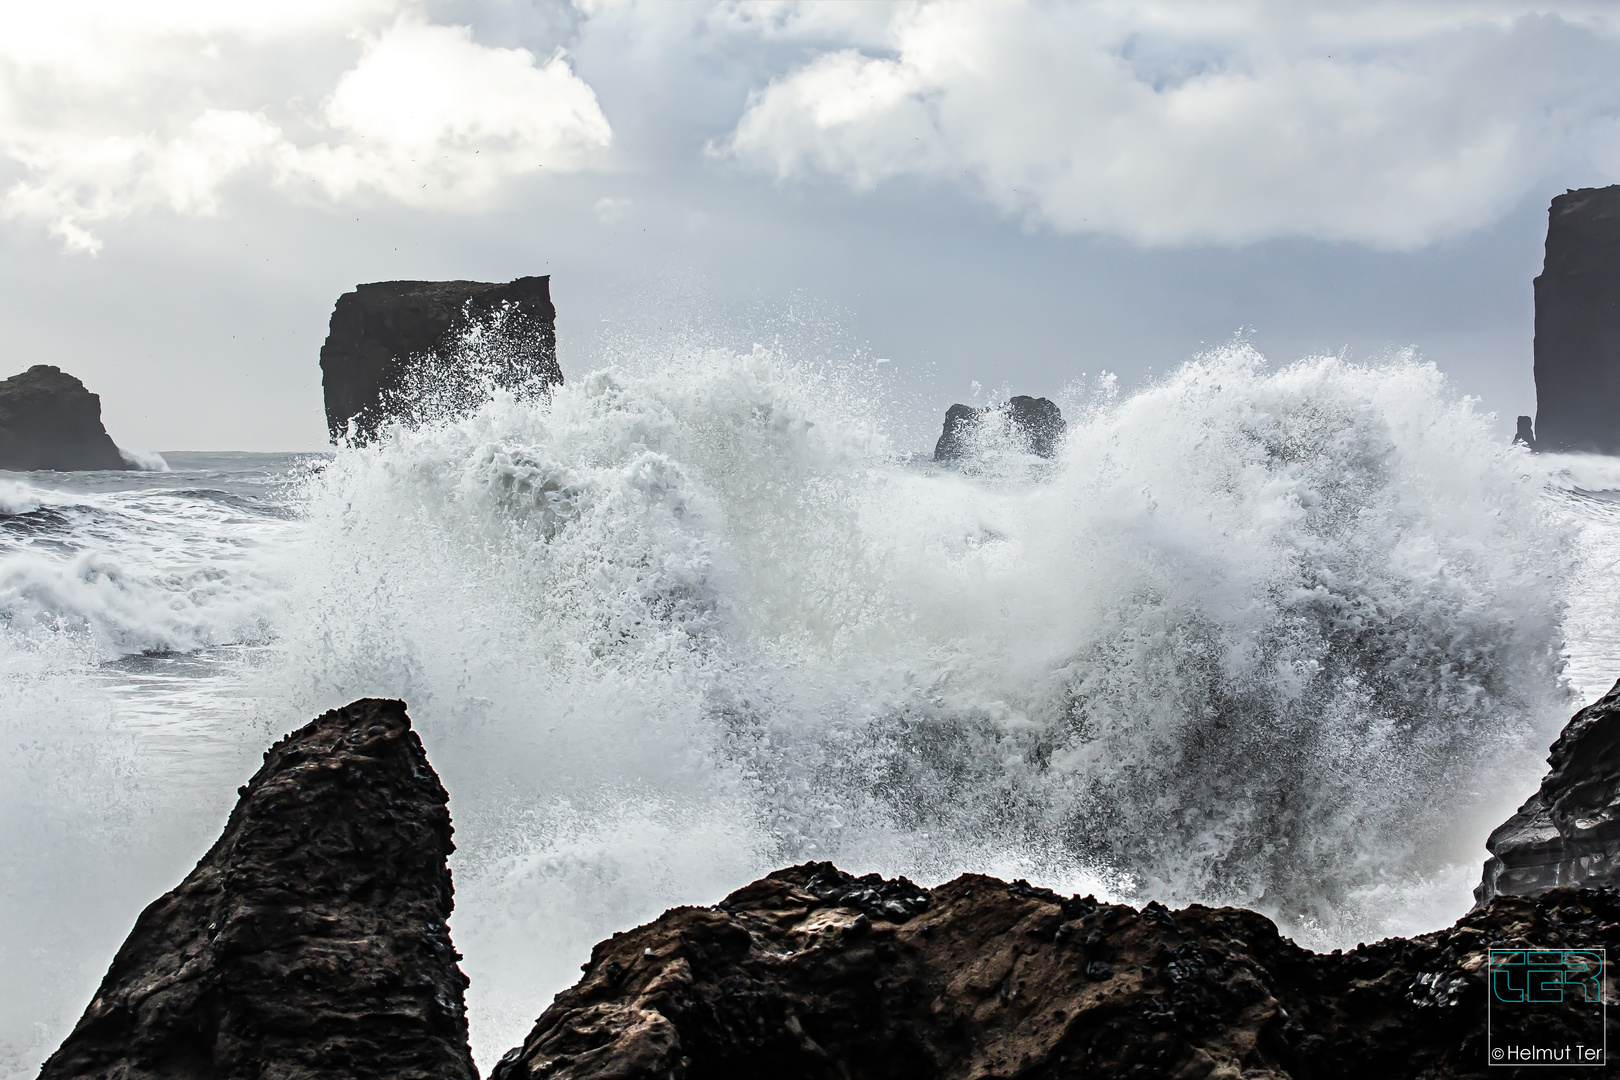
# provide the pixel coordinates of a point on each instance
(48, 420)
(381, 330)
(811, 974)
(1578, 324)
(310, 941)
(1568, 832)
(1036, 422)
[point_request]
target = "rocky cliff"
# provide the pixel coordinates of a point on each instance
(310, 941)
(1034, 424)
(1578, 324)
(48, 420)
(383, 333)
(1568, 832)
(810, 973)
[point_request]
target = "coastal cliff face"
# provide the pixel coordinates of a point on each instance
(381, 333)
(310, 941)
(48, 420)
(810, 973)
(1036, 423)
(1578, 325)
(1568, 833)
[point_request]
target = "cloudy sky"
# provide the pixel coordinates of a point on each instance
(998, 193)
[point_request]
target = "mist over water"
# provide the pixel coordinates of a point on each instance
(1290, 637)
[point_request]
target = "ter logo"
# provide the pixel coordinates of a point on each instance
(1546, 976)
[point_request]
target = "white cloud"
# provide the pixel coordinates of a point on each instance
(432, 118)
(1175, 123)
(112, 109)
(80, 179)
(1166, 123)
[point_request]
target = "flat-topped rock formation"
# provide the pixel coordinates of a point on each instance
(1032, 424)
(810, 973)
(48, 420)
(310, 941)
(1578, 324)
(1568, 833)
(382, 333)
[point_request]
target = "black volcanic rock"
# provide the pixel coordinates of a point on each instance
(809, 973)
(310, 941)
(1578, 324)
(1568, 833)
(383, 333)
(1526, 434)
(1034, 422)
(961, 422)
(48, 420)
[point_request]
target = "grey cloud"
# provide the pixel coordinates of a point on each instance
(200, 326)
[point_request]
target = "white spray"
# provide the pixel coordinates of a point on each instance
(1286, 638)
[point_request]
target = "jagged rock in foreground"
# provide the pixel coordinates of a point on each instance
(810, 973)
(381, 333)
(1578, 324)
(1035, 422)
(48, 420)
(310, 941)
(1568, 833)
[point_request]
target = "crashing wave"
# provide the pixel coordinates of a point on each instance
(1272, 636)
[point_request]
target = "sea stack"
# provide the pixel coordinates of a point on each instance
(1034, 424)
(384, 333)
(48, 420)
(311, 941)
(1567, 834)
(1578, 325)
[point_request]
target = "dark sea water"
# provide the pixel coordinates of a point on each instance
(1292, 637)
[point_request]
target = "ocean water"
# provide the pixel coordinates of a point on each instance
(1292, 636)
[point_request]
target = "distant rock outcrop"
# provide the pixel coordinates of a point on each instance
(1526, 434)
(1578, 324)
(1568, 833)
(810, 973)
(48, 420)
(310, 942)
(382, 332)
(1034, 423)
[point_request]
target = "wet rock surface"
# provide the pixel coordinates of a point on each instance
(806, 973)
(1578, 324)
(1568, 832)
(1035, 423)
(48, 420)
(382, 333)
(311, 940)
